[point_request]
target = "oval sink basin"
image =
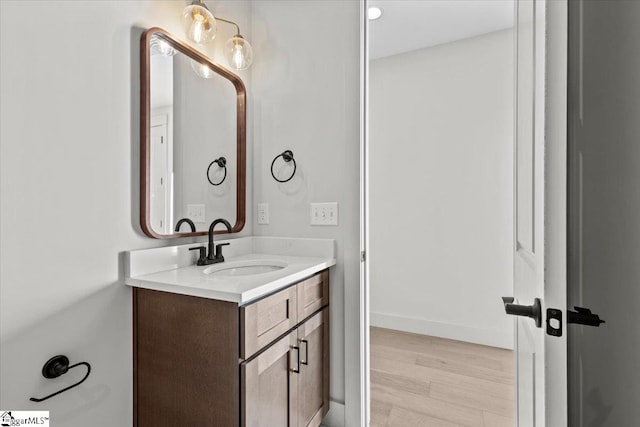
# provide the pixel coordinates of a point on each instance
(245, 268)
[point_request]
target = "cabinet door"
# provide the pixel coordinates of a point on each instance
(313, 385)
(269, 385)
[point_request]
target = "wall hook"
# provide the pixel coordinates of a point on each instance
(287, 156)
(56, 366)
(221, 162)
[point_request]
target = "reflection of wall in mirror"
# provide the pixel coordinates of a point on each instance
(161, 144)
(205, 129)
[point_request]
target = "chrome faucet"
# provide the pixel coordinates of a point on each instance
(215, 251)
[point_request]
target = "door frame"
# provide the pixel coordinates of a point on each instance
(555, 113)
(554, 110)
(362, 417)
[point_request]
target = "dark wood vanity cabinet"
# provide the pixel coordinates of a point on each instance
(204, 362)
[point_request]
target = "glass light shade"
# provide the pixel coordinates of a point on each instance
(161, 47)
(202, 70)
(199, 23)
(238, 52)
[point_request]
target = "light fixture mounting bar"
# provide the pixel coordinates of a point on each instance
(230, 22)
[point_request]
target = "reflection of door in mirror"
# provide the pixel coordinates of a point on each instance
(161, 144)
(161, 199)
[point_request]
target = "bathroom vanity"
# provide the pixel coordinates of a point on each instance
(241, 343)
(242, 339)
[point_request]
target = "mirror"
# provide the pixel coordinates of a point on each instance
(193, 140)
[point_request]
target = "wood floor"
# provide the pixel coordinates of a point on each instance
(418, 380)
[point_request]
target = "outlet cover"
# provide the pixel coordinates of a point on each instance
(324, 213)
(196, 212)
(263, 213)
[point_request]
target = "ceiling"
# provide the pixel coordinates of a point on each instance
(408, 25)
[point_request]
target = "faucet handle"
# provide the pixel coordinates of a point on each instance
(219, 249)
(203, 254)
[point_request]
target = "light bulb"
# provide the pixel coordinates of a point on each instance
(199, 23)
(238, 52)
(161, 47)
(202, 70)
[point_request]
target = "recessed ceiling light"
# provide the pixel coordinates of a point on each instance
(374, 13)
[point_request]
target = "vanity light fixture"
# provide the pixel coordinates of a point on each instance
(374, 13)
(199, 22)
(237, 50)
(200, 25)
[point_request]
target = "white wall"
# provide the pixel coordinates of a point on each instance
(441, 189)
(69, 168)
(306, 98)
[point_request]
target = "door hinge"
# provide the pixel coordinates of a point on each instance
(582, 316)
(363, 256)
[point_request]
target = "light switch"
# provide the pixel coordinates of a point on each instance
(324, 213)
(196, 212)
(263, 213)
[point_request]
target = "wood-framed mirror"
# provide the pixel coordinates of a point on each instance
(192, 114)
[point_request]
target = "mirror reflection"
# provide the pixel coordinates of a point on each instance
(192, 137)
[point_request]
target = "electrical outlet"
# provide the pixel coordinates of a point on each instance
(324, 213)
(263, 213)
(196, 213)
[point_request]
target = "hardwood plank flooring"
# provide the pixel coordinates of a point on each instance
(418, 380)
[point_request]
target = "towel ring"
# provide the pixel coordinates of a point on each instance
(221, 162)
(287, 156)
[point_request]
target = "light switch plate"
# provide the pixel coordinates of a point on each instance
(324, 213)
(196, 212)
(263, 213)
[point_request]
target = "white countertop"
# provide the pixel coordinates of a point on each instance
(173, 269)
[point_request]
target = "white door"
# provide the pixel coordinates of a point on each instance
(160, 182)
(604, 273)
(540, 209)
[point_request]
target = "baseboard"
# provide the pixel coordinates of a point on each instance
(335, 417)
(502, 339)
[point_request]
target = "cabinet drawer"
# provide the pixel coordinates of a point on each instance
(267, 319)
(313, 294)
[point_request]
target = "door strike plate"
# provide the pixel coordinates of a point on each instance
(554, 322)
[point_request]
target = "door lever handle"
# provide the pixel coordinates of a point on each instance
(533, 311)
(584, 316)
